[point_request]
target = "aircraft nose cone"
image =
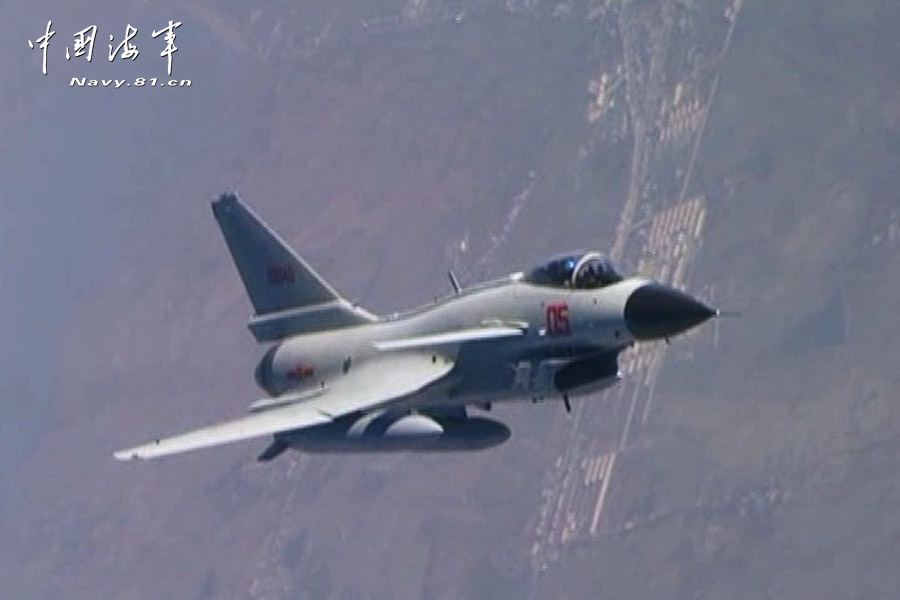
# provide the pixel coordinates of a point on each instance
(656, 311)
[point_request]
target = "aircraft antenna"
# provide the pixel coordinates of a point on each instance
(454, 282)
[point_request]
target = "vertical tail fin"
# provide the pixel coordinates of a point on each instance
(288, 296)
(275, 276)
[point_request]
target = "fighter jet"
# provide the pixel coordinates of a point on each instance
(338, 378)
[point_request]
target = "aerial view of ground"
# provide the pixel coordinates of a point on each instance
(746, 151)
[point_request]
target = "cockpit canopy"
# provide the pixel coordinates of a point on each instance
(575, 270)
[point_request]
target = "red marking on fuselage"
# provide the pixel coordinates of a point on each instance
(301, 372)
(558, 319)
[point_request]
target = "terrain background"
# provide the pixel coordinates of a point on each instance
(389, 141)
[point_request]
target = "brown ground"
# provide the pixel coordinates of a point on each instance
(772, 459)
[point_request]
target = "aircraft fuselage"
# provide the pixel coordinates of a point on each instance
(561, 326)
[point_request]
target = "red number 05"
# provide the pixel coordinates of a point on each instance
(558, 319)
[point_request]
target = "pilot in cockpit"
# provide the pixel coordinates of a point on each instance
(594, 271)
(584, 270)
